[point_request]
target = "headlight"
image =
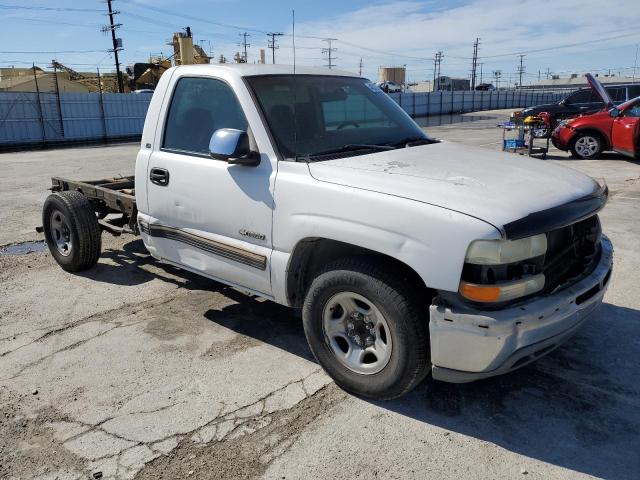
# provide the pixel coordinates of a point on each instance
(503, 270)
(496, 252)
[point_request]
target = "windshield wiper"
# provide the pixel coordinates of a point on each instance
(412, 142)
(349, 148)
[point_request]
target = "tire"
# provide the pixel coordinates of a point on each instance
(540, 132)
(71, 230)
(587, 146)
(394, 328)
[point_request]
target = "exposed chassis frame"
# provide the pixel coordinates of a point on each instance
(113, 200)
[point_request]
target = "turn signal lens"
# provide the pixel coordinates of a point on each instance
(502, 292)
(479, 293)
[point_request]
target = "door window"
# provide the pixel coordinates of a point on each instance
(199, 107)
(634, 91)
(617, 94)
(581, 96)
(633, 111)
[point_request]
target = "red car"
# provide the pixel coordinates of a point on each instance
(614, 128)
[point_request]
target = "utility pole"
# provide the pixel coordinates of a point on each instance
(497, 74)
(360, 67)
(117, 42)
(520, 71)
(548, 73)
(272, 44)
(481, 64)
(474, 63)
(329, 52)
(244, 46)
(437, 60)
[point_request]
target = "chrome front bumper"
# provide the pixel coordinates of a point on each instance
(469, 344)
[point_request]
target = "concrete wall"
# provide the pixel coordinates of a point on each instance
(25, 119)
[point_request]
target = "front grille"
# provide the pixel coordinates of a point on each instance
(572, 253)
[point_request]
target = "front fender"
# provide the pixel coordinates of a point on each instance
(431, 240)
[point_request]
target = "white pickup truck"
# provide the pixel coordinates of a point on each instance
(406, 255)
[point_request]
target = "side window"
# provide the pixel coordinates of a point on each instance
(634, 91)
(581, 96)
(617, 94)
(633, 111)
(199, 107)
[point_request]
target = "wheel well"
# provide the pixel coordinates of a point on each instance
(594, 132)
(311, 255)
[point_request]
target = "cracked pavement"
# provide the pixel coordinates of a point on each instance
(139, 370)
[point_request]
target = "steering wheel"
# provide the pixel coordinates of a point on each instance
(347, 123)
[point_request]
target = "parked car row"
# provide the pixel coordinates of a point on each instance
(592, 120)
(615, 127)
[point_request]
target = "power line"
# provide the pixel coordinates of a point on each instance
(437, 60)
(244, 45)
(329, 52)
(474, 63)
(53, 9)
(172, 13)
(273, 45)
(51, 51)
(117, 43)
(520, 69)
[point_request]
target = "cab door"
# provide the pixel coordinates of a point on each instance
(625, 131)
(206, 215)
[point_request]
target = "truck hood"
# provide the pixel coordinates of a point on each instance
(496, 187)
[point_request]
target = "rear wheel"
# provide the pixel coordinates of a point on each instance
(71, 230)
(366, 329)
(587, 146)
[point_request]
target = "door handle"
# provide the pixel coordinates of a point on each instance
(159, 176)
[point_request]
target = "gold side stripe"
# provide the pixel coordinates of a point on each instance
(217, 248)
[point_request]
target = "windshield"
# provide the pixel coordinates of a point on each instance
(333, 114)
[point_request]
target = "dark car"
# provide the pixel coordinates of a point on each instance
(485, 87)
(584, 101)
(580, 102)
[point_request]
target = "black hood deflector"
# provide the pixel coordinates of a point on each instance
(558, 217)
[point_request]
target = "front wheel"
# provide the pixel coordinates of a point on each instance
(367, 329)
(71, 230)
(587, 146)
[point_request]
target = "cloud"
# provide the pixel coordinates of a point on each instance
(418, 29)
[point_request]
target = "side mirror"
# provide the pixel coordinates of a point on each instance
(232, 146)
(614, 112)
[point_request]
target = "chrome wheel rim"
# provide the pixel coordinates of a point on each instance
(587, 146)
(357, 333)
(61, 233)
(540, 132)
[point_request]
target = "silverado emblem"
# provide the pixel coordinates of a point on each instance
(248, 233)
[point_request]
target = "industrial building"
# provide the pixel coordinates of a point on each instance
(451, 84)
(579, 80)
(396, 75)
(421, 87)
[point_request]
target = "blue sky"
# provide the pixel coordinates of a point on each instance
(604, 34)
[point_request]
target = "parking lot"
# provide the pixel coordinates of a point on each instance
(137, 369)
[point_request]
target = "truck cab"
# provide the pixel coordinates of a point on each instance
(312, 188)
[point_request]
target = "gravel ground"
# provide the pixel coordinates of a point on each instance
(136, 369)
